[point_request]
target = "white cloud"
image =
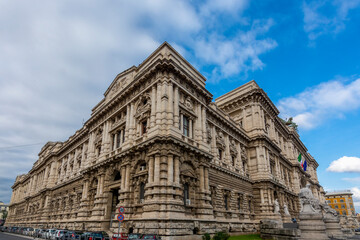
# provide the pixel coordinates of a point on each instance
(319, 103)
(352, 180)
(345, 164)
(239, 54)
(356, 196)
(58, 57)
(326, 17)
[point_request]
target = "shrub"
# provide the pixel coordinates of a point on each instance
(206, 236)
(221, 236)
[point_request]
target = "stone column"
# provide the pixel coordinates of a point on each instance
(45, 177)
(101, 184)
(127, 180)
(170, 107)
(203, 117)
(190, 128)
(127, 123)
(164, 103)
(158, 104)
(153, 106)
(201, 178)
(213, 141)
(151, 170)
(206, 179)
(198, 126)
(176, 107)
(123, 178)
(132, 122)
(177, 170)
(157, 169)
(85, 189)
(227, 149)
(170, 174)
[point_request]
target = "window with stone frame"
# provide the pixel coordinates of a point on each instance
(213, 193)
(220, 154)
(143, 127)
(226, 201)
(336, 206)
(342, 206)
(341, 200)
(272, 167)
(142, 192)
(186, 126)
(98, 150)
(233, 160)
(250, 205)
(186, 194)
(239, 201)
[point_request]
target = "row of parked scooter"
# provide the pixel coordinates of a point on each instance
(56, 234)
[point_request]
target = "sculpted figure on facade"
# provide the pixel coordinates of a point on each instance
(276, 207)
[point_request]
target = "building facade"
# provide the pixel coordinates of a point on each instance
(3, 212)
(177, 161)
(341, 201)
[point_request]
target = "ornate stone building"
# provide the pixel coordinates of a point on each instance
(177, 161)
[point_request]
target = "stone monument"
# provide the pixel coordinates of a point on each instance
(311, 222)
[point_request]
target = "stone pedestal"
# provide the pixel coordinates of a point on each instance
(333, 228)
(312, 226)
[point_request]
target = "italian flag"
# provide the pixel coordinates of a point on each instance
(299, 158)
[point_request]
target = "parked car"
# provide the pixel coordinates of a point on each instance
(28, 231)
(357, 230)
(51, 234)
(151, 236)
(120, 236)
(73, 235)
(135, 236)
(96, 236)
(61, 235)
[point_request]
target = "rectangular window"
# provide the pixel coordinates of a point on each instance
(144, 127)
(123, 135)
(342, 206)
(341, 200)
(114, 144)
(220, 154)
(118, 139)
(186, 126)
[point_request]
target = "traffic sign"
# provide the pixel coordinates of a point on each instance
(121, 209)
(120, 217)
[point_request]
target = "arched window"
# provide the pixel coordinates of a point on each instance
(186, 194)
(142, 192)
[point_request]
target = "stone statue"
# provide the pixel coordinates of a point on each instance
(309, 204)
(276, 206)
(286, 210)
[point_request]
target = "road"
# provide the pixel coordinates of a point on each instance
(10, 236)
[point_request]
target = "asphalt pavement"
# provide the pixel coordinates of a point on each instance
(11, 236)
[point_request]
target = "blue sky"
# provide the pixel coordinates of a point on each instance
(58, 58)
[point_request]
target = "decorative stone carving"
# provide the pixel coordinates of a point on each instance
(189, 104)
(276, 207)
(286, 210)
